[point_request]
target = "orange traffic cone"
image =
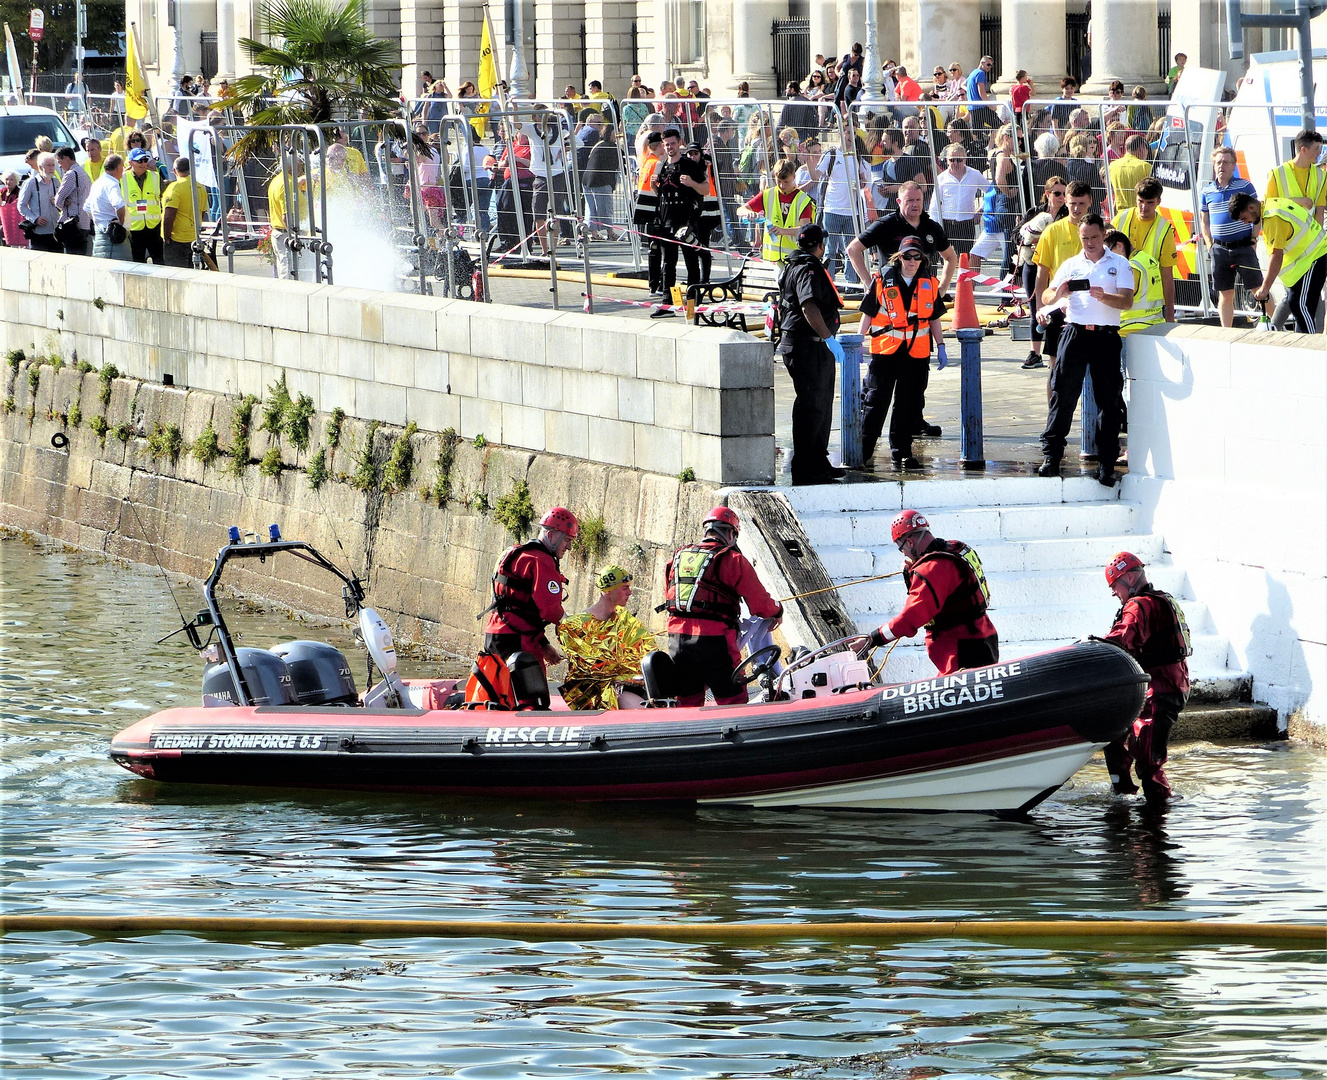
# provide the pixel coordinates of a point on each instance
(965, 308)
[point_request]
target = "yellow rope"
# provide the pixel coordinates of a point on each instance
(833, 588)
(883, 662)
(1311, 934)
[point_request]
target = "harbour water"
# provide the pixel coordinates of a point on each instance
(80, 835)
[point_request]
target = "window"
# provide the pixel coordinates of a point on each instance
(687, 26)
(149, 34)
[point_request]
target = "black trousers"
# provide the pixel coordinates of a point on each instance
(179, 254)
(1082, 350)
(75, 243)
(671, 249)
(45, 242)
(655, 262)
(147, 242)
(902, 378)
(1303, 297)
(812, 368)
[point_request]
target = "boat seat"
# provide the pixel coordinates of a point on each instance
(660, 676)
(528, 681)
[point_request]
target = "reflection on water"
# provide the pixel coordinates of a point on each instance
(77, 663)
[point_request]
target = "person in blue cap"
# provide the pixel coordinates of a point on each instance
(141, 187)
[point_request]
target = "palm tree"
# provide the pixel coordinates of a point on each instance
(319, 65)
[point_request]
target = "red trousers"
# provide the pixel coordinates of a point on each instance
(949, 653)
(1145, 748)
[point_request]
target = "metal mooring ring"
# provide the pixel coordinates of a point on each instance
(59, 440)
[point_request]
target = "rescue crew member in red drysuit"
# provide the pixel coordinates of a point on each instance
(528, 590)
(706, 583)
(947, 594)
(1151, 628)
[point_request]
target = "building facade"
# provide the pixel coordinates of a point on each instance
(723, 42)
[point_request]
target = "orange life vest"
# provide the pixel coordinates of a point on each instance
(647, 199)
(489, 685)
(895, 328)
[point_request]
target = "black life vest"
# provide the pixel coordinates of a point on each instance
(1171, 643)
(512, 593)
(697, 592)
(969, 601)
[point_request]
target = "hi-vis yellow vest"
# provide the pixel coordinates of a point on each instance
(1307, 243)
(143, 204)
(778, 248)
(1287, 184)
(1154, 239)
(1149, 301)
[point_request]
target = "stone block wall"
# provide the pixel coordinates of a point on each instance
(609, 390)
(118, 487)
(1228, 454)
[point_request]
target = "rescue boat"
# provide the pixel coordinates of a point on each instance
(822, 733)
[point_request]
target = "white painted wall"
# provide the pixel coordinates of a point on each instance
(1228, 452)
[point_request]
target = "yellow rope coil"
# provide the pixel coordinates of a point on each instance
(1313, 935)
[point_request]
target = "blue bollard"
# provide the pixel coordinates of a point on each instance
(972, 453)
(850, 401)
(1089, 416)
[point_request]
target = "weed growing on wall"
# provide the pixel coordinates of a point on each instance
(271, 463)
(514, 511)
(442, 470)
(106, 376)
(84, 367)
(334, 428)
(14, 358)
(123, 430)
(240, 424)
(9, 405)
(687, 475)
(365, 476)
(401, 461)
(480, 442)
(207, 447)
(317, 469)
(592, 539)
(275, 408)
(75, 415)
(166, 442)
(298, 414)
(479, 502)
(34, 378)
(99, 427)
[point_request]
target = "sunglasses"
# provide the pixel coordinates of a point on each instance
(910, 256)
(955, 69)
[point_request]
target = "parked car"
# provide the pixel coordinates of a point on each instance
(21, 126)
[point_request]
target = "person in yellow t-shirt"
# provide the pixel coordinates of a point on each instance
(355, 163)
(285, 262)
(1299, 179)
(1148, 231)
(178, 230)
(1125, 171)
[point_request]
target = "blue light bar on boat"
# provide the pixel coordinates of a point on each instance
(274, 533)
(234, 533)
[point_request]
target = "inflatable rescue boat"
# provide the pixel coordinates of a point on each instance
(822, 734)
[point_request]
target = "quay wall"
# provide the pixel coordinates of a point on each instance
(650, 396)
(1228, 454)
(130, 483)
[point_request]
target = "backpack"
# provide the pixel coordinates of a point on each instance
(489, 685)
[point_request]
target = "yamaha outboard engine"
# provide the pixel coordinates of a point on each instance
(266, 677)
(319, 673)
(528, 681)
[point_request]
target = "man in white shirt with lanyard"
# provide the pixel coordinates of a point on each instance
(1094, 287)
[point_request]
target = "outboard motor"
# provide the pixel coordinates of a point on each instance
(265, 675)
(319, 673)
(528, 681)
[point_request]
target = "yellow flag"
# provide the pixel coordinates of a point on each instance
(135, 84)
(488, 77)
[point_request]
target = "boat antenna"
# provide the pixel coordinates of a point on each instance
(153, 548)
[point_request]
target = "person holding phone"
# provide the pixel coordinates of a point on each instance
(1095, 288)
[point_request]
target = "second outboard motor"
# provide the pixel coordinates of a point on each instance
(265, 675)
(319, 673)
(528, 681)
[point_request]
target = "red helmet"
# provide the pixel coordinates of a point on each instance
(1120, 564)
(907, 522)
(721, 515)
(561, 519)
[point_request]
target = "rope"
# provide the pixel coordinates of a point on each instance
(833, 588)
(1313, 935)
(883, 662)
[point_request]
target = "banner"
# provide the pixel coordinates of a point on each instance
(488, 78)
(135, 84)
(204, 168)
(15, 71)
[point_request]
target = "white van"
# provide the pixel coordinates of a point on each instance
(21, 126)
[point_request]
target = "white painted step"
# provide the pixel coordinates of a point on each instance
(978, 525)
(928, 495)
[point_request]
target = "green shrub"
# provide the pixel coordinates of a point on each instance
(166, 442)
(240, 423)
(298, 414)
(271, 463)
(99, 303)
(9, 405)
(123, 430)
(442, 470)
(479, 502)
(34, 378)
(687, 475)
(57, 362)
(401, 461)
(107, 375)
(514, 511)
(365, 476)
(75, 415)
(333, 436)
(591, 539)
(84, 367)
(317, 469)
(480, 442)
(275, 408)
(15, 357)
(207, 447)
(98, 425)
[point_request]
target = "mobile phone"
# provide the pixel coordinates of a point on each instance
(1079, 285)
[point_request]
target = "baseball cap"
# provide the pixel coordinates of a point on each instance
(139, 154)
(610, 577)
(810, 235)
(911, 243)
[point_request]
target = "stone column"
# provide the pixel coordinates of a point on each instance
(938, 33)
(226, 39)
(557, 46)
(852, 28)
(753, 45)
(824, 28)
(462, 25)
(608, 43)
(1032, 39)
(421, 43)
(1124, 47)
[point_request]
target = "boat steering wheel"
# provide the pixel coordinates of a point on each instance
(839, 645)
(759, 662)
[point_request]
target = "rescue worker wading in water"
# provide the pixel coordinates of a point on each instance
(1151, 628)
(528, 590)
(947, 593)
(706, 584)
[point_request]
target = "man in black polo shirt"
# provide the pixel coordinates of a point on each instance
(809, 318)
(886, 233)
